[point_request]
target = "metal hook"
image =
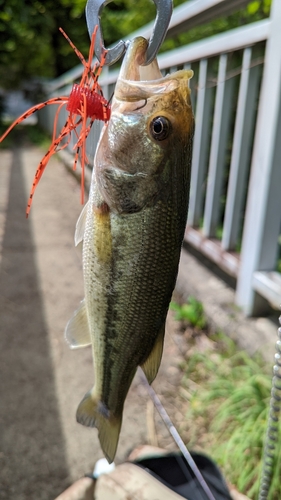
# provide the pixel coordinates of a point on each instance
(93, 15)
(164, 14)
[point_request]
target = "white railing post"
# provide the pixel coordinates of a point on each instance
(200, 146)
(218, 147)
(263, 211)
(241, 150)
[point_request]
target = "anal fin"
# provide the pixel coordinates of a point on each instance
(152, 363)
(77, 333)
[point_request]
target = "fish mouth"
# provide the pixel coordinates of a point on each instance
(133, 64)
(137, 82)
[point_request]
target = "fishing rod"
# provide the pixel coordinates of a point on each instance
(175, 435)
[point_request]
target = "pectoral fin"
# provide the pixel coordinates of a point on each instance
(80, 226)
(77, 333)
(152, 363)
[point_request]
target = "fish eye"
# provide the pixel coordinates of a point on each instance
(160, 128)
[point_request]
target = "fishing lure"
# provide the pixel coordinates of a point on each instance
(85, 104)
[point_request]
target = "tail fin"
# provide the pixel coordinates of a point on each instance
(93, 413)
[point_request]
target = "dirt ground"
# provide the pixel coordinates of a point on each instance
(42, 448)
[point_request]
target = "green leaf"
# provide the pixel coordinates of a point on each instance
(253, 7)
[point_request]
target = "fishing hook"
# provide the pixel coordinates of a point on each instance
(93, 14)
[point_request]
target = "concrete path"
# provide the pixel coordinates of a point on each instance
(42, 448)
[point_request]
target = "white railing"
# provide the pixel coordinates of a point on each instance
(235, 203)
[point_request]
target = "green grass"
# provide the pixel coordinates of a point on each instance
(228, 394)
(227, 412)
(192, 312)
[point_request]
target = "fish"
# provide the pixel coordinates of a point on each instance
(132, 229)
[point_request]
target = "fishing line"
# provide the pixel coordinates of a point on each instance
(175, 435)
(272, 432)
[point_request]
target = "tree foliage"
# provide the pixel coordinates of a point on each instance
(32, 46)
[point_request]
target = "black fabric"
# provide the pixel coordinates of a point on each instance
(173, 471)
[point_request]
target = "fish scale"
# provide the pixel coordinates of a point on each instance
(132, 230)
(143, 317)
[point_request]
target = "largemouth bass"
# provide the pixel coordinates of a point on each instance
(132, 229)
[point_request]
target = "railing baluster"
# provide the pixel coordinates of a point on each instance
(217, 154)
(241, 150)
(200, 146)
